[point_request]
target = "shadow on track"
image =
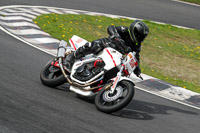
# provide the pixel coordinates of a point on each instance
(64, 87)
(136, 109)
(142, 110)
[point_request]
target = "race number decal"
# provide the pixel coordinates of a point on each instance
(131, 62)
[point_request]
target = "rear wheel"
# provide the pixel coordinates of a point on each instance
(51, 75)
(111, 102)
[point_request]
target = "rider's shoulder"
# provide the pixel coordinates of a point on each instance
(122, 28)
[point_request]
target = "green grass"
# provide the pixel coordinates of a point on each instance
(192, 1)
(168, 53)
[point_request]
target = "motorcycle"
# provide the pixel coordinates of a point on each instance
(105, 76)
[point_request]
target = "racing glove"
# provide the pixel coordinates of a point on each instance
(119, 43)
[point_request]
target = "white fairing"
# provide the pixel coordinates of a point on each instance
(111, 57)
(77, 42)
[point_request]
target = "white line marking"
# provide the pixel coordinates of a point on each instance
(17, 14)
(23, 9)
(15, 18)
(28, 10)
(27, 32)
(100, 14)
(186, 3)
(70, 12)
(13, 10)
(18, 24)
(174, 92)
(9, 33)
(42, 40)
(168, 98)
(34, 13)
(55, 11)
(41, 11)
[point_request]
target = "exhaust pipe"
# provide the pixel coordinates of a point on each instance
(61, 49)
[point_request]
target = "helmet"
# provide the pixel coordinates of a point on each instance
(138, 31)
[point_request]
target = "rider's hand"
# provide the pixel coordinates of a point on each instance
(120, 41)
(120, 44)
(117, 39)
(128, 49)
(137, 71)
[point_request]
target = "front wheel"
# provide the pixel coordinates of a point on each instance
(52, 76)
(108, 103)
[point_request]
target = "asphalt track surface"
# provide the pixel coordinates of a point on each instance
(26, 106)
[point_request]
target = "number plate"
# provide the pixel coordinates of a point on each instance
(131, 63)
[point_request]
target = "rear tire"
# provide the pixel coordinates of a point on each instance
(52, 76)
(109, 103)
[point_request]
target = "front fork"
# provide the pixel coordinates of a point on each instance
(116, 80)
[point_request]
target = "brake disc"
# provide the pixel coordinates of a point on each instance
(109, 97)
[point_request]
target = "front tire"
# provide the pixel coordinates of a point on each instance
(122, 96)
(52, 76)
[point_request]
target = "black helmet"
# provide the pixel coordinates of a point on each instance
(138, 31)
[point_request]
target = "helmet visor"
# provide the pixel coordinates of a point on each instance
(140, 35)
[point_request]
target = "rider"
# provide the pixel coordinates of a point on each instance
(123, 39)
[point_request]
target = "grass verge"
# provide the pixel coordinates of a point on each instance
(192, 1)
(169, 53)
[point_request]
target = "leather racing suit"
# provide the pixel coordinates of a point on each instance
(118, 39)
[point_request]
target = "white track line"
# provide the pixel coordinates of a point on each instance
(41, 11)
(17, 14)
(25, 11)
(27, 32)
(13, 10)
(188, 3)
(18, 24)
(42, 40)
(168, 98)
(55, 11)
(9, 33)
(15, 18)
(70, 12)
(34, 13)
